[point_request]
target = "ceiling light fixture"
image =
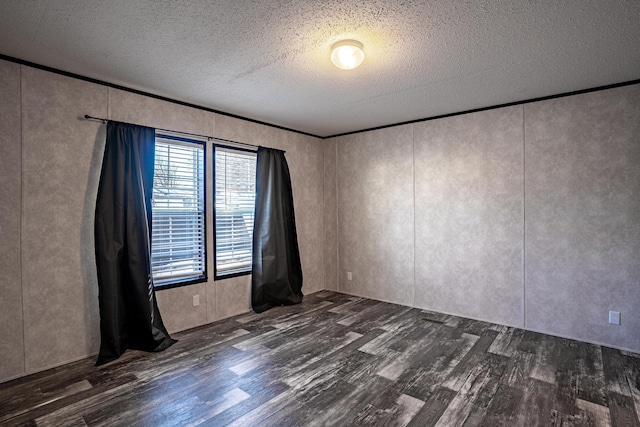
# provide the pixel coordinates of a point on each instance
(347, 54)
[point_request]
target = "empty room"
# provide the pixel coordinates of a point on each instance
(320, 213)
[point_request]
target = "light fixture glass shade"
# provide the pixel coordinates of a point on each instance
(347, 54)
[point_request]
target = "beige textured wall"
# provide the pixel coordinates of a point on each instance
(330, 215)
(469, 215)
(61, 158)
(11, 330)
(553, 256)
(50, 196)
(583, 215)
(375, 214)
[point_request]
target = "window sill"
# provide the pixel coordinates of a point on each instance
(180, 284)
(230, 275)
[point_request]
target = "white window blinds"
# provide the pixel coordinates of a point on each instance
(178, 230)
(235, 176)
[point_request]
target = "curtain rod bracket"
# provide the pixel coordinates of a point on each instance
(97, 119)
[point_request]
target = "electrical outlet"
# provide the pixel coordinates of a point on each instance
(614, 317)
(349, 275)
(196, 300)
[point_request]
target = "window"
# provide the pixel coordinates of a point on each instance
(235, 188)
(178, 252)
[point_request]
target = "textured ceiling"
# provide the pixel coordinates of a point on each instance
(269, 60)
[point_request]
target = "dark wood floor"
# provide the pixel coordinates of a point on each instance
(341, 360)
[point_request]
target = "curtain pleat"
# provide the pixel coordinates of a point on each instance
(129, 316)
(276, 271)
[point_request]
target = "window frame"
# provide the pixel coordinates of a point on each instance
(205, 276)
(216, 274)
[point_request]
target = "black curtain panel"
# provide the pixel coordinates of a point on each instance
(276, 271)
(129, 316)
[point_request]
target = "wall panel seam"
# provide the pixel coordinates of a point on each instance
(324, 209)
(24, 337)
(413, 172)
(524, 222)
(337, 213)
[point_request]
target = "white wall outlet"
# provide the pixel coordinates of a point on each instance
(349, 275)
(614, 317)
(196, 300)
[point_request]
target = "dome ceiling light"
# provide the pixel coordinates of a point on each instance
(347, 54)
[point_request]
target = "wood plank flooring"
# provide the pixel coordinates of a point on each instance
(339, 360)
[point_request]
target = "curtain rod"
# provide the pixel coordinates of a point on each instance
(209, 138)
